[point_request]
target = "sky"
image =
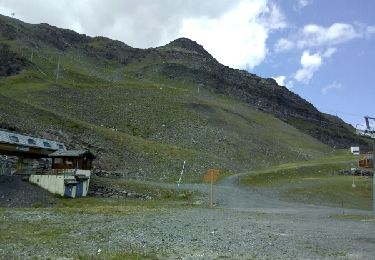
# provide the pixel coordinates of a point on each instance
(321, 50)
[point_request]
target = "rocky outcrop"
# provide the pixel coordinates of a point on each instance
(197, 66)
(11, 63)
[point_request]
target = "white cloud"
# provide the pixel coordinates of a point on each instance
(272, 17)
(330, 87)
(234, 32)
(140, 23)
(311, 63)
(314, 60)
(280, 80)
(370, 30)
(303, 3)
(237, 38)
(283, 45)
(313, 35)
(290, 84)
(329, 52)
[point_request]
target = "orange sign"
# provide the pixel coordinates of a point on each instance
(211, 175)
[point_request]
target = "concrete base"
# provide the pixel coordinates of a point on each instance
(73, 183)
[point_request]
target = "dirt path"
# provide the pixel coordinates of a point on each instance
(231, 195)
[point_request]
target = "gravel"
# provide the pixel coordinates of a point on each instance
(17, 193)
(245, 225)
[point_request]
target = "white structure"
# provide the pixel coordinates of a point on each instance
(66, 183)
(8, 137)
(355, 150)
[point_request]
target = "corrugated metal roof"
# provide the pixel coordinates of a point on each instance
(71, 153)
(30, 141)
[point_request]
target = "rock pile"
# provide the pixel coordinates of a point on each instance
(7, 164)
(128, 175)
(111, 192)
(357, 172)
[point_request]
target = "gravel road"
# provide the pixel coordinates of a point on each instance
(245, 225)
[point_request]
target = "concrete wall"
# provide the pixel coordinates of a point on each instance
(87, 173)
(52, 183)
(56, 183)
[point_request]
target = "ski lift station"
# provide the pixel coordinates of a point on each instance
(368, 131)
(48, 164)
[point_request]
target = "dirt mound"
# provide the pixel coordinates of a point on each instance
(17, 193)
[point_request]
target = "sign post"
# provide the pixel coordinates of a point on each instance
(211, 176)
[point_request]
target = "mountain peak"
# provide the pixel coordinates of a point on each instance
(187, 44)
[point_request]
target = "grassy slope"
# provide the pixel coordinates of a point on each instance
(159, 122)
(316, 182)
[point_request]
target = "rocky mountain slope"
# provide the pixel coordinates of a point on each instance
(148, 110)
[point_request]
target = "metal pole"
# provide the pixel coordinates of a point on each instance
(212, 191)
(373, 180)
(213, 196)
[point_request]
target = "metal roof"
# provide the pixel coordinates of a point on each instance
(9, 137)
(71, 153)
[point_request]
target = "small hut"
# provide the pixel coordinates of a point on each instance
(73, 159)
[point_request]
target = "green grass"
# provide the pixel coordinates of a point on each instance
(332, 191)
(117, 256)
(144, 188)
(31, 233)
(355, 217)
(160, 122)
(107, 206)
(340, 159)
(316, 182)
(223, 175)
(212, 131)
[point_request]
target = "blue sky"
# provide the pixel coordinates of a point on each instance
(320, 49)
(343, 83)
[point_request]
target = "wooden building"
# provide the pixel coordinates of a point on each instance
(73, 159)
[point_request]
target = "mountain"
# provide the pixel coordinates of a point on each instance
(145, 111)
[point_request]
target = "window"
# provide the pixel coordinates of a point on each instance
(59, 161)
(61, 147)
(31, 141)
(14, 139)
(47, 144)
